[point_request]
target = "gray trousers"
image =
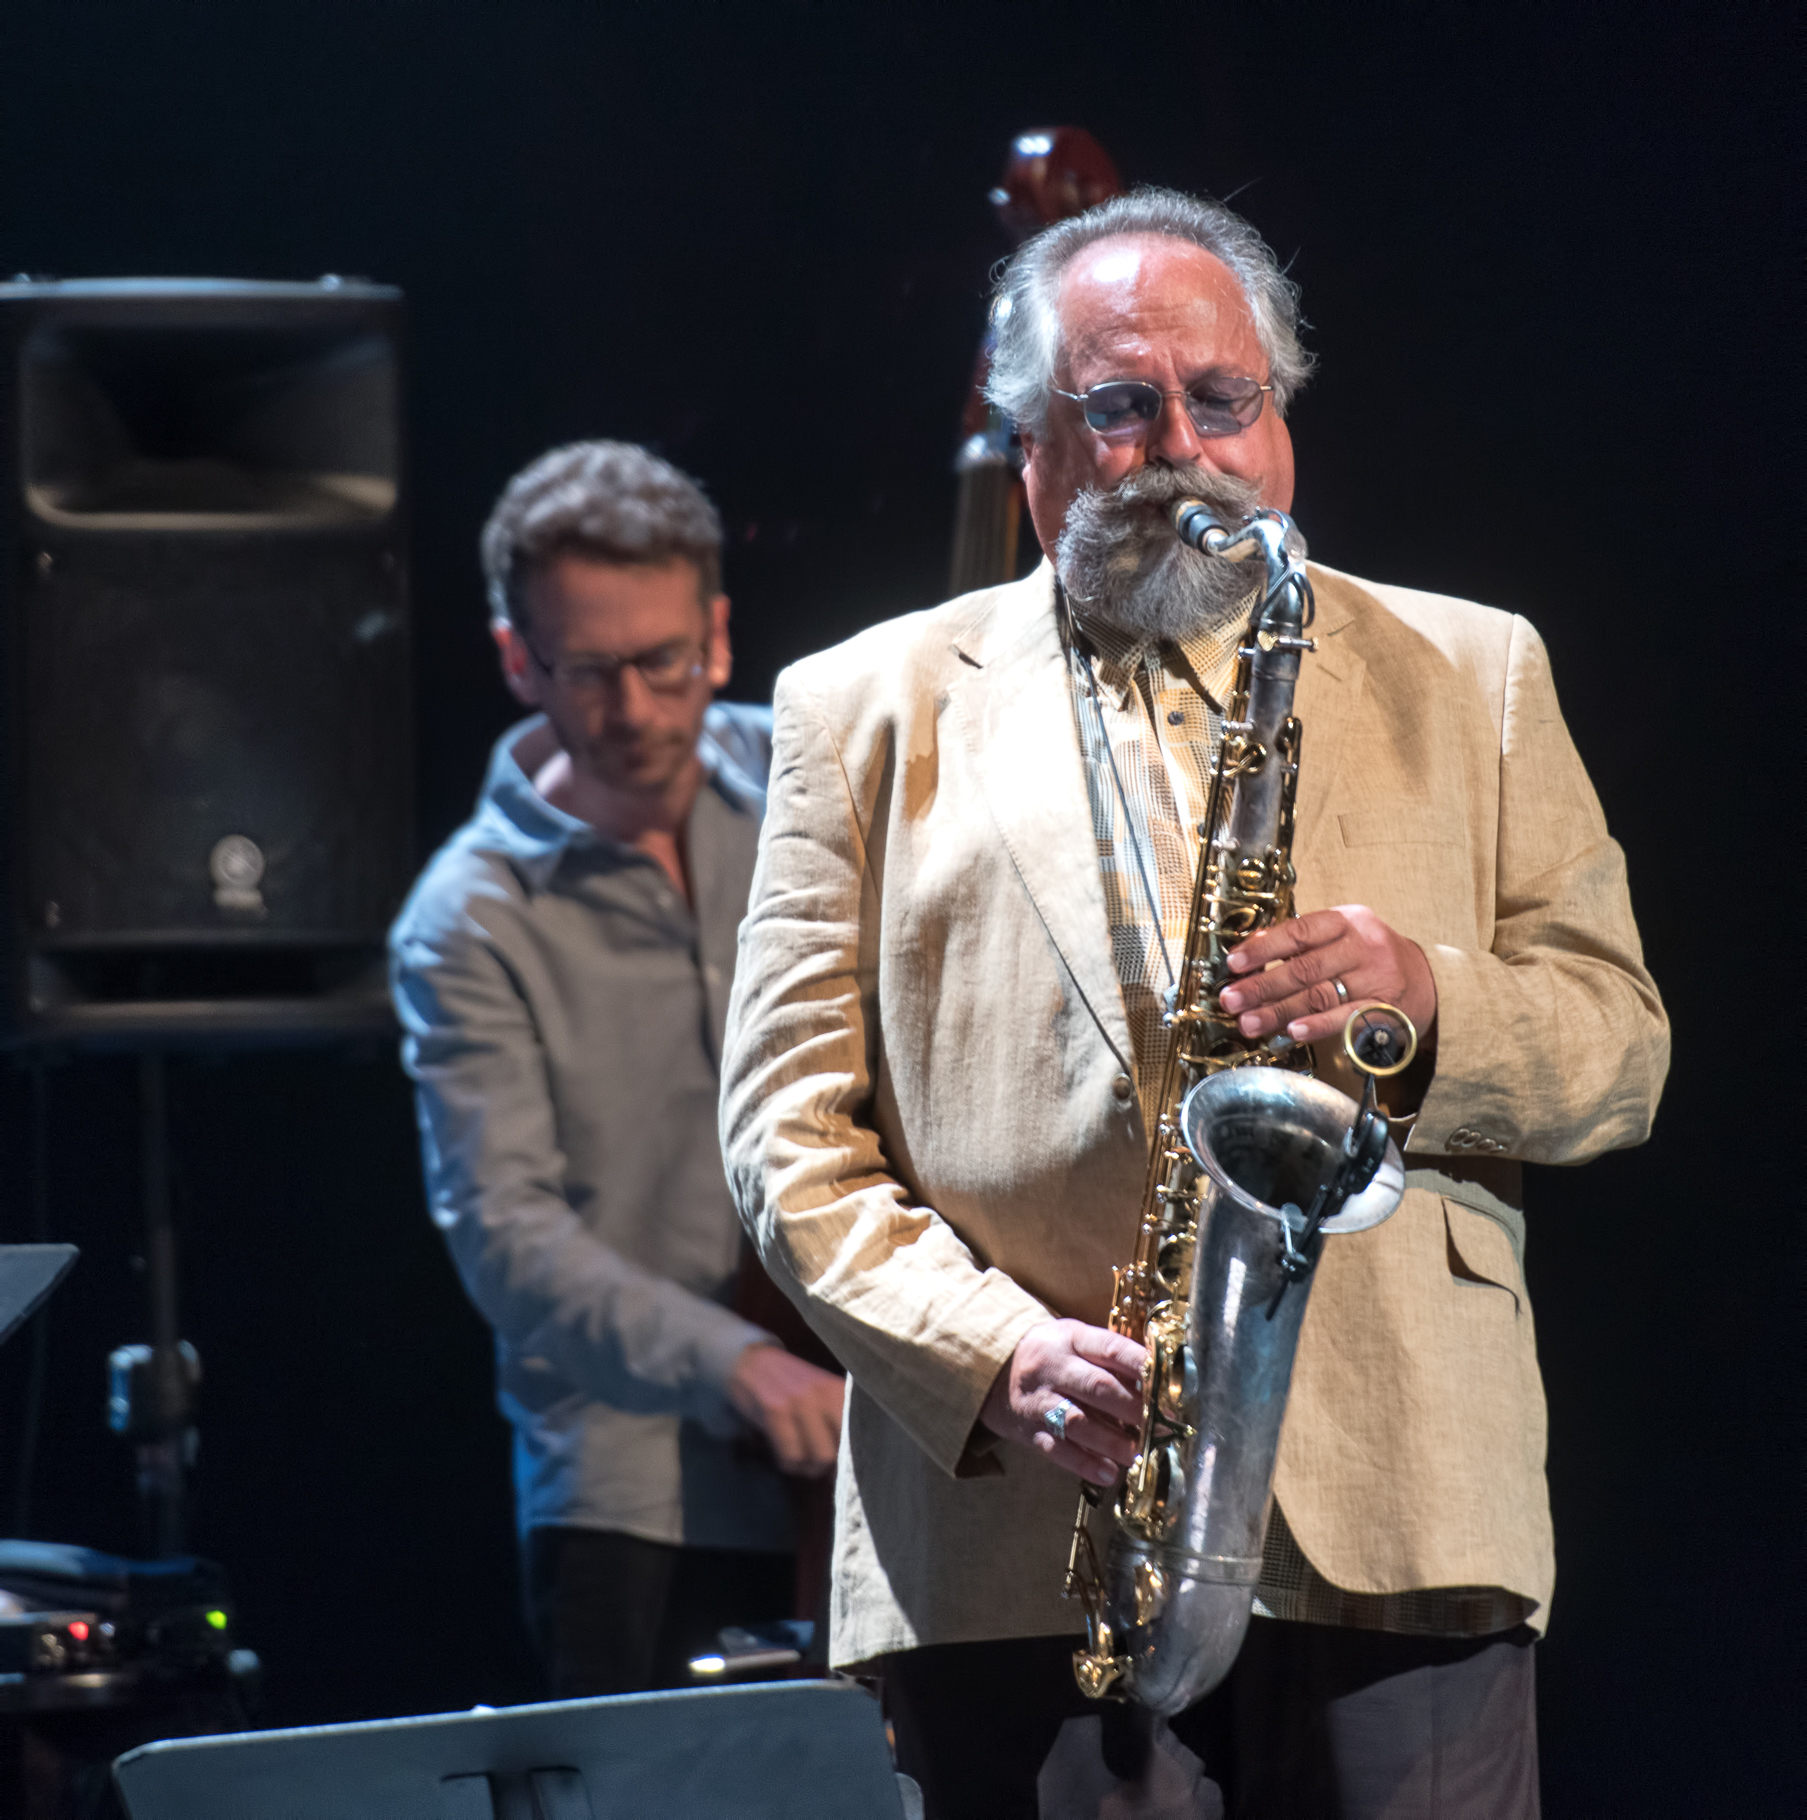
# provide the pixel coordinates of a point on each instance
(1314, 1723)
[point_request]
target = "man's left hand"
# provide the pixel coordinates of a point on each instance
(1286, 975)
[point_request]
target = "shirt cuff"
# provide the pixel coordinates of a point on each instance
(720, 1350)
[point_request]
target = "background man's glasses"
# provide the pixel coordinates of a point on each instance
(666, 669)
(1220, 404)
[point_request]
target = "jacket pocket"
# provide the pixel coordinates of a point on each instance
(1480, 1254)
(1401, 825)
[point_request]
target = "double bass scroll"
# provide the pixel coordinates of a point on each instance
(1052, 173)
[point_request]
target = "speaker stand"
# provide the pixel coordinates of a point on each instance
(152, 1402)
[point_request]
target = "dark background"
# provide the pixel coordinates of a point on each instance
(1547, 254)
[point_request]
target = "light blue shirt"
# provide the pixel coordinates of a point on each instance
(562, 1010)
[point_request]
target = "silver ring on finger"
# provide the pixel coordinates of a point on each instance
(1342, 992)
(1054, 1418)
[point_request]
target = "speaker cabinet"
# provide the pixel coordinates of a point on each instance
(207, 793)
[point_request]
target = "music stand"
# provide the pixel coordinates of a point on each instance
(28, 1273)
(733, 1753)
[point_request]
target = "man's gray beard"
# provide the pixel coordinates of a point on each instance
(1123, 564)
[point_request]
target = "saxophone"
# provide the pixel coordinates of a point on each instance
(1252, 1162)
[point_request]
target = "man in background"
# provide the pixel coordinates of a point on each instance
(562, 972)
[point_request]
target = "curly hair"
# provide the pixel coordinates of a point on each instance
(609, 500)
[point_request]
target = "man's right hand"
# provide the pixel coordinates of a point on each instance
(1096, 1372)
(796, 1406)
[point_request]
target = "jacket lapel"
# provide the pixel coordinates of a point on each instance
(1328, 703)
(1014, 710)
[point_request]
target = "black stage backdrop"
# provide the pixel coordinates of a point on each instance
(1546, 253)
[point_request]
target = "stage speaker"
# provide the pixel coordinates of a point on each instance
(206, 794)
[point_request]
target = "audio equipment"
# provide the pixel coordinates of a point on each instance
(205, 788)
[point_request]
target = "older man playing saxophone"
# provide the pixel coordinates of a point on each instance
(947, 1021)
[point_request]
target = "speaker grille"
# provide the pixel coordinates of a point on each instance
(244, 689)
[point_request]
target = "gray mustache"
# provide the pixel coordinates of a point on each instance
(1226, 494)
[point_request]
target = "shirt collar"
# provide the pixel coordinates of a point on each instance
(536, 835)
(725, 772)
(1201, 657)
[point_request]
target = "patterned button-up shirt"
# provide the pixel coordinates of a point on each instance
(1158, 711)
(1160, 707)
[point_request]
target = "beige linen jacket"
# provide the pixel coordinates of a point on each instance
(931, 1135)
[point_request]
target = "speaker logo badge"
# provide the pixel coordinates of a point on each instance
(237, 865)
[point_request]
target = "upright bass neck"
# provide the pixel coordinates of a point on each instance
(1052, 173)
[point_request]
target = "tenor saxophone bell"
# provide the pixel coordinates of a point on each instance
(1267, 1141)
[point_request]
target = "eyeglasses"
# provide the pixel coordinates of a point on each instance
(666, 669)
(1220, 404)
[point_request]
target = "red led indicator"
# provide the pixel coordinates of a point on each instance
(79, 1630)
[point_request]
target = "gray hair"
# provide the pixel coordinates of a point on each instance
(1028, 322)
(612, 501)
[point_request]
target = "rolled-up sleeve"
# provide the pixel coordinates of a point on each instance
(495, 1176)
(1552, 1046)
(888, 1283)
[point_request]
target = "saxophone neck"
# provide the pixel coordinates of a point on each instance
(1285, 608)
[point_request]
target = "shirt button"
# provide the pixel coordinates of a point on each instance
(1176, 717)
(1121, 1088)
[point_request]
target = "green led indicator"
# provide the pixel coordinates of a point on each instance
(217, 1619)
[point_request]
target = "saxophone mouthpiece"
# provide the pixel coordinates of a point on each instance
(1194, 521)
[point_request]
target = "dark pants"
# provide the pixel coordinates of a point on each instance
(611, 1614)
(1313, 1723)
